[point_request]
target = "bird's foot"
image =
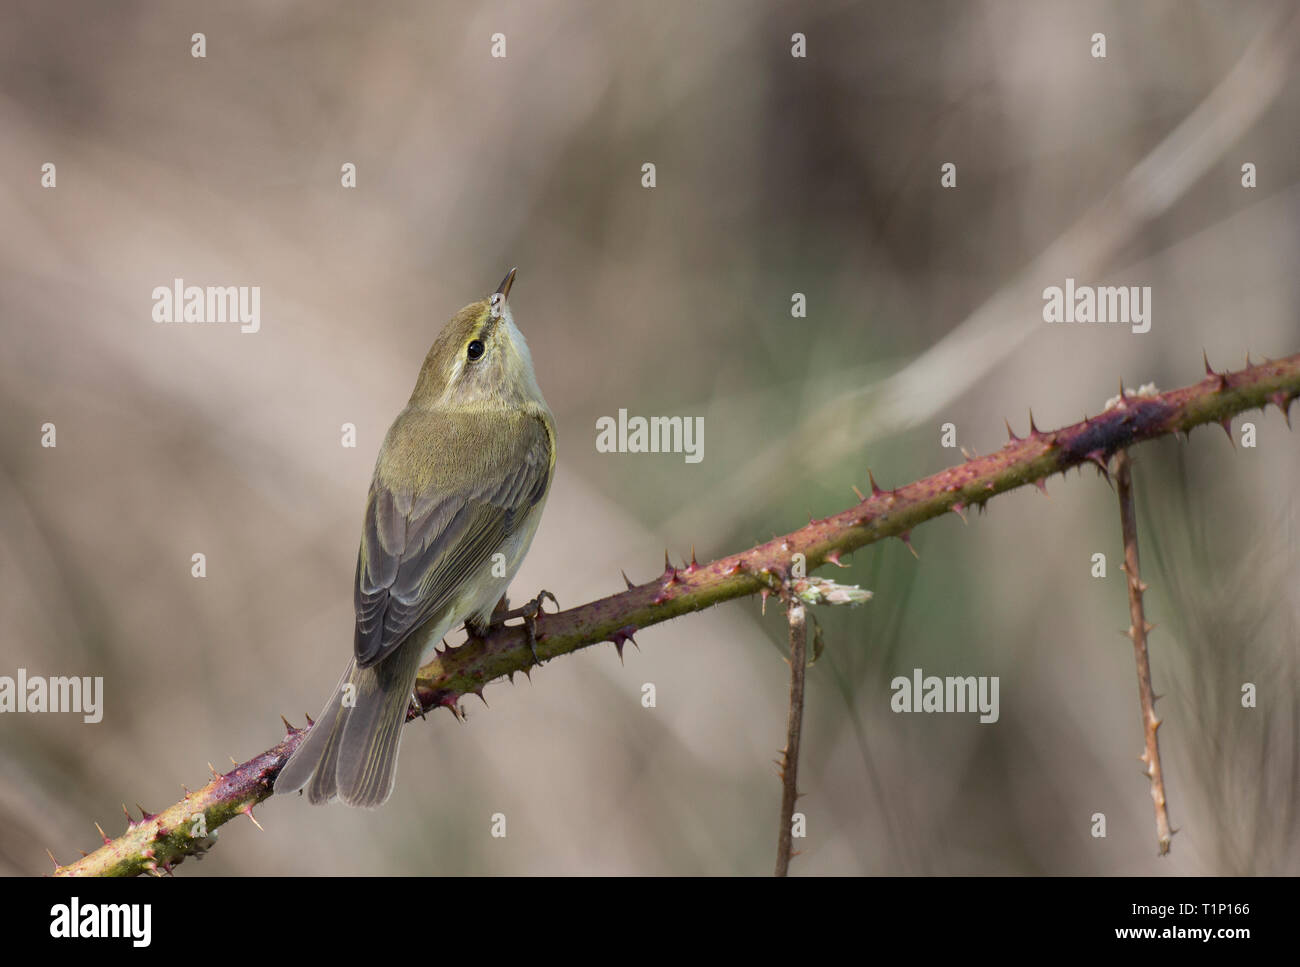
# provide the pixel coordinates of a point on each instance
(529, 612)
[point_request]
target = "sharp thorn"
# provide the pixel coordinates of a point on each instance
(1283, 403)
(906, 538)
(1098, 457)
(248, 811)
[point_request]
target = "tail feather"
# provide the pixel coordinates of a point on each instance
(351, 751)
(367, 755)
(318, 748)
(324, 783)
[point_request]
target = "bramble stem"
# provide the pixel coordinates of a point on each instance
(157, 843)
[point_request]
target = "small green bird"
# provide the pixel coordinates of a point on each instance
(457, 494)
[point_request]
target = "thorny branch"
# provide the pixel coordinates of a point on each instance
(155, 843)
(1138, 628)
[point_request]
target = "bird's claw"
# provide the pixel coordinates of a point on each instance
(529, 612)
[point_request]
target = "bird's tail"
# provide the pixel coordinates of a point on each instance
(351, 751)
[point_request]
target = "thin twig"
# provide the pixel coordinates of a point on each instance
(1138, 628)
(797, 616)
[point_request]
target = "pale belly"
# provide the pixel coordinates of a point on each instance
(480, 593)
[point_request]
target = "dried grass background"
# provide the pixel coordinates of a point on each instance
(775, 175)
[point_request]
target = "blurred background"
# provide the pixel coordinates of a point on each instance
(775, 175)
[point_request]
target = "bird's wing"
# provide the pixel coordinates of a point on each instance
(417, 548)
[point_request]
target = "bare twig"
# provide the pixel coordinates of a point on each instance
(159, 842)
(1138, 628)
(797, 616)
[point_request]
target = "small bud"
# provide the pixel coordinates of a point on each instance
(814, 590)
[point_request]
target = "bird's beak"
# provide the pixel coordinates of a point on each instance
(503, 289)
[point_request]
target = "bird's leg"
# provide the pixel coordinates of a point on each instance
(501, 607)
(529, 612)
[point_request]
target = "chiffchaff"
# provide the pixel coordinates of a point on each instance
(457, 494)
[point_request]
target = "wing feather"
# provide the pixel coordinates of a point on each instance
(417, 550)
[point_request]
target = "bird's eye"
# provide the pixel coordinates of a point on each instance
(474, 350)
